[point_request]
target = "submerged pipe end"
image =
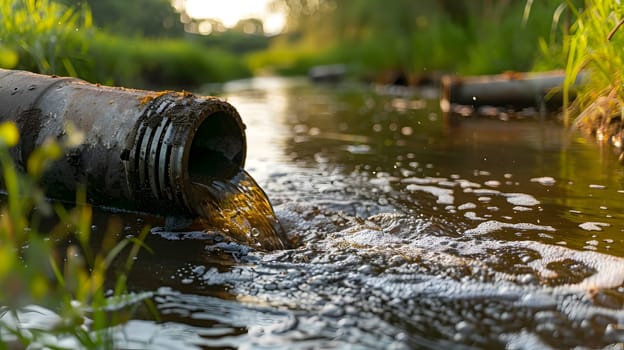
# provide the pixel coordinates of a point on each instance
(182, 139)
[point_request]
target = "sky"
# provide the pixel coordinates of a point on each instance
(229, 12)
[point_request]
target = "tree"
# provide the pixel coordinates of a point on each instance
(150, 18)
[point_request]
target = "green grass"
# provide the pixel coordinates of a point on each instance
(43, 269)
(43, 36)
(591, 47)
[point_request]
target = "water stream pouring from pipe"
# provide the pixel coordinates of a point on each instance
(173, 154)
(241, 209)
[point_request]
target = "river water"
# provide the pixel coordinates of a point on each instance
(414, 231)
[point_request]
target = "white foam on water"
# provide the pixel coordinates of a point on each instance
(424, 180)
(522, 199)
(493, 226)
(371, 237)
(36, 325)
(597, 187)
(593, 226)
(429, 265)
(609, 270)
(468, 184)
(521, 208)
(467, 206)
(486, 192)
(524, 340)
(447, 183)
(358, 149)
(444, 195)
(473, 216)
(544, 180)
(451, 209)
(492, 183)
(177, 236)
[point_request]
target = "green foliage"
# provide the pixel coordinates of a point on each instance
(236, 42)
(149, 18)
(460, 36)
(169, 63)
(43, 36)
(511, 41)
(34, 269)
(595, 46)
(47, 37)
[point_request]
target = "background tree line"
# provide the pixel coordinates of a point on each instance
(148, 42)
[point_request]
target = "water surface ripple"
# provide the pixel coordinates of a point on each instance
(414, 232)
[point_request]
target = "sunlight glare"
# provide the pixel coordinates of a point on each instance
(231, 11)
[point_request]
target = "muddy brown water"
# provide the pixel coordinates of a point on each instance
(239, 209)
(413, 233)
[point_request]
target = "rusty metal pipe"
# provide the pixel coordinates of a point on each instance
(514, 89)
(141, 149)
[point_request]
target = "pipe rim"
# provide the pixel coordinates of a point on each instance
(165, 148)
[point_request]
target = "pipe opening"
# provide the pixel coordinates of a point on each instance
(217, 150)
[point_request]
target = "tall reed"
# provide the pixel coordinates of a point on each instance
(594, 45)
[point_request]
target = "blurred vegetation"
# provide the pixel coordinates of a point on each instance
(43, 36)
(170, 63)
(52, 37)
(412, 38)
(41, 272)
(146, 43)
(151, 43)
(595, 47)
(148, 18)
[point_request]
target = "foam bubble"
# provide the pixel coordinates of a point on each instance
(521, 208)
(467, 184)
(522, 199)
(524, 340)
(486, 191)
(593, 226)
(607, 270)
(473, 216)
(445, 196)
(372, 237)
(545, 180)
(358, 149)
(492, 183)
(423, 180)
(467, 206)
(493, 225)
